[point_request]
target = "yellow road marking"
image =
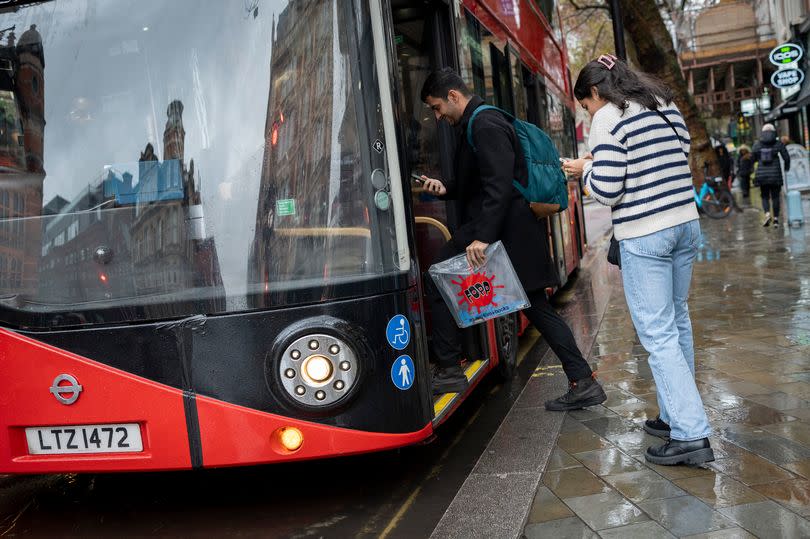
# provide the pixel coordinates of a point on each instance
(399, 514)
(549, 370)
(434, 472)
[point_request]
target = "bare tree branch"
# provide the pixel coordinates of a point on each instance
(596, 41)
(582, 8)
(576, 27)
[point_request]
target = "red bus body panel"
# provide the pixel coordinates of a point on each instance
(108, 396)
(230, 435)
(519, 22)
(236, 436)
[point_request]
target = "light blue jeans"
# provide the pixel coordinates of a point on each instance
(657, 271)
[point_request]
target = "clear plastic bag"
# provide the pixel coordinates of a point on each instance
(474, 296)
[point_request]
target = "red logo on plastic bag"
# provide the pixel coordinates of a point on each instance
(477, 290)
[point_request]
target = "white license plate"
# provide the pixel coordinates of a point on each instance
(63, 440)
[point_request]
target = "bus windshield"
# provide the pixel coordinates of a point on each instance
(162, 159)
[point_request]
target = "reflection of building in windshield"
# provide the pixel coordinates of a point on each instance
(122, 238)
(312, 221)
(85, 254)
(171, 250)
(22, 124)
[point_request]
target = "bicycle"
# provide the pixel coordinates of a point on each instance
(713, 200)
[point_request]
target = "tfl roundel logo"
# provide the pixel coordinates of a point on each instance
(66, 388)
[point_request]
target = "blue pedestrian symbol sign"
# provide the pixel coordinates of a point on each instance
(402, 372)
(398, 332)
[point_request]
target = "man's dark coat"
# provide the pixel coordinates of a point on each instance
(490, 208)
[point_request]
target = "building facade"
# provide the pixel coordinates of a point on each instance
(22, 125)
(724, 57)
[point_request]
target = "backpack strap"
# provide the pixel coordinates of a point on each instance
(474, 114)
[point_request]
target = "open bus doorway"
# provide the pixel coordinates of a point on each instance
(423, 36)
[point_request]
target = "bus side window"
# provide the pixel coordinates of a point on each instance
(471, 56)
(536, 106)
(518, 90)
(501, 79)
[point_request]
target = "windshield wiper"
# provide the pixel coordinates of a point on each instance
(14, 5)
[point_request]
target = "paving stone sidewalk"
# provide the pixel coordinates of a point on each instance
(750, 307)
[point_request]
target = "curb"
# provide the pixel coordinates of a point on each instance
(496, 497)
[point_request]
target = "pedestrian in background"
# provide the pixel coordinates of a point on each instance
(745, 166)
(768, 177)
(725, 161)
(640, 168)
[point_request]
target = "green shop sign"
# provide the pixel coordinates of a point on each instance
(786, 53)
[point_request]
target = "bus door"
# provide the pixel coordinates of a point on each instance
(423, 36)
(537, 112)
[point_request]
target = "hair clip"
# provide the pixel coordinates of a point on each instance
(607, 60)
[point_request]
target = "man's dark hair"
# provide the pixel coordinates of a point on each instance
(439, 83)
(621, 84)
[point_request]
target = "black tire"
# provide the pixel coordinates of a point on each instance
(506, 335)
(718, 205)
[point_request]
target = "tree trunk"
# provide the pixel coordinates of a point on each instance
(656, 55)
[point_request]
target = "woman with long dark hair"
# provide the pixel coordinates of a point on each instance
(639, 146)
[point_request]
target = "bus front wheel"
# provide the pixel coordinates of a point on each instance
(506, 335)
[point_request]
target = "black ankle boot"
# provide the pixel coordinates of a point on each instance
(678, 452)
(656, 427)
(582, 393)
(449, 380)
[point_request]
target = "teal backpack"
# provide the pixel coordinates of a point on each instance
(547, 182)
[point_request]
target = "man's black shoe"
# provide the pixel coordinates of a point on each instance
(449, 380)
(582, 393)
(677, 452)
(656, 427)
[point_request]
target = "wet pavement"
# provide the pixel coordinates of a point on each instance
(750, 308)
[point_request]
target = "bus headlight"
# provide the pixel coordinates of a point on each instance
(317, 370)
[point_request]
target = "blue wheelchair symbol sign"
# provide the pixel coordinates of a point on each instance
(398, 332)
(403, 372)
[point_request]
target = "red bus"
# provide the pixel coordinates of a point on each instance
(210, 254)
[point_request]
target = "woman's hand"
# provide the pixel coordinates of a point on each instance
(574, 167)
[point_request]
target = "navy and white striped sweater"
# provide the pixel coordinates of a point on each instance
(640, 169)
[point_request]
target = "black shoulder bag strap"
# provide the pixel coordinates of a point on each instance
(664, 116)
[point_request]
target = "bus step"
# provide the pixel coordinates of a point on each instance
(446, 403)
